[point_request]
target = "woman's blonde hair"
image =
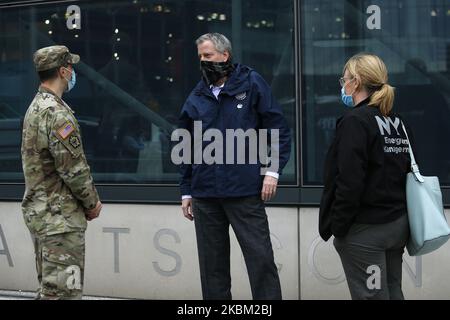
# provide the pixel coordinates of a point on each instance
(371, 73)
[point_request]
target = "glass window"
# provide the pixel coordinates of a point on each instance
(413, 40)
(139, 64)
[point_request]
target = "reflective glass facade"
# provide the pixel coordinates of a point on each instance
(139, 64)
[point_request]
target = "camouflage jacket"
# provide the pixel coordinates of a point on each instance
(58, 182)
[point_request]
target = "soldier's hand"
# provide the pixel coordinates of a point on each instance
(186, 206)
(269, 188)
(95, 212)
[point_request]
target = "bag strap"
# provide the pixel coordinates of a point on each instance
(414, 166)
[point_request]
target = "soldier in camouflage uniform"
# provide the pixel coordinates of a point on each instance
(60, 195)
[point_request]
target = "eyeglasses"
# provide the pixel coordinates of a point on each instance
(342, 81)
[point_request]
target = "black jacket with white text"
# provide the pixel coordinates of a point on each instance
(365, 171)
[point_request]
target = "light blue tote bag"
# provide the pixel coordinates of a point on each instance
(428, 226)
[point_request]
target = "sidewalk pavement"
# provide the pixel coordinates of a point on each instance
(25, 295)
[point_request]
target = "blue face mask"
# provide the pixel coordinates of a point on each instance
(73, 80)
(347, 99)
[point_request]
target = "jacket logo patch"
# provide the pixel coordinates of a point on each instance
(385, 125)
(239, 106)
(66, 130)
(74, 141)
(241, 96)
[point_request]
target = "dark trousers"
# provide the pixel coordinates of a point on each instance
(248, 219)
(377, 245)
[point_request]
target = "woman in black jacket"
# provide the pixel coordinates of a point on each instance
(364, 199)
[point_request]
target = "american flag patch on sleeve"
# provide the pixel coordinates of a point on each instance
(66, 130)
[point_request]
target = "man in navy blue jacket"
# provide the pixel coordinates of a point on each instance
(232, 98)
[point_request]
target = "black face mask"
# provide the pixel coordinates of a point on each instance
(214, 71)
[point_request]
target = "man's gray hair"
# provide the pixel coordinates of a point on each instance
(220, 42)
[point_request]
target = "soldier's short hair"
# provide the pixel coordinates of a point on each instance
(50, 74)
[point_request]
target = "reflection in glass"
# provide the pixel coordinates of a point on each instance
(413, 41)
(138, 66)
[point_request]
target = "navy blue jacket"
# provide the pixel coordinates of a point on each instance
(245, 102)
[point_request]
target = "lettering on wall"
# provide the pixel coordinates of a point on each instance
(314, 267)
(5, 250)
(178, 262)
(413, 269)
(116, 232)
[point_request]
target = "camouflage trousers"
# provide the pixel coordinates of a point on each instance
(60, 265)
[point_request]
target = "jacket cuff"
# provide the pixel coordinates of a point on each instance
(185, 190)
(339, 232)
(91, 201)
(273, 174)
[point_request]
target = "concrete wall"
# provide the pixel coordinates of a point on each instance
(149, 251)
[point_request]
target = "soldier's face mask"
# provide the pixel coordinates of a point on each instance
(214, 71)
(72, 81)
